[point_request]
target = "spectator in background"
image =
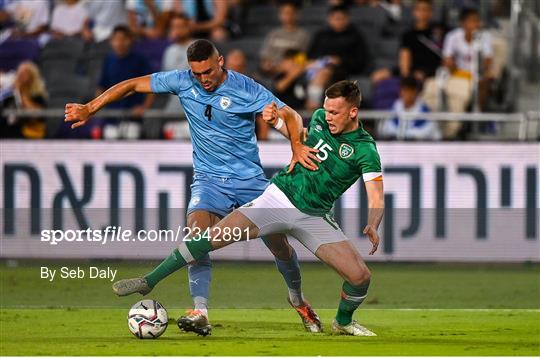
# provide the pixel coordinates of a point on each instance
(286, 37)
(236, 61)
(122, 64)
(148, 18)
(208, 17)
(450, 11)
(421, 47)
(290, 83)
(28, 93)
(459, 52)
(104, 16)
(337, 51)
(175, 56)
(393, 9)
(416, 128)
(29, 17)
(70, 18)
(461, 47)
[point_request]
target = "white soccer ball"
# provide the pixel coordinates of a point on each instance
(147, 319)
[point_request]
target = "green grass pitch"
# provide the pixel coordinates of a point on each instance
(416, 309)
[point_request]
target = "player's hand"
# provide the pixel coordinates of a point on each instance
(78, 113)
(373, 237)
(305, 156)
(270, 114)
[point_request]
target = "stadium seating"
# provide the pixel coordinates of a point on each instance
(369, 19)
(153, 50)
(15, 51)
(93, 63)
(385, 93)
(71, 67)
(250, 46)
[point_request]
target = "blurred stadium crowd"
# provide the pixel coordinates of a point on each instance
(407, 56)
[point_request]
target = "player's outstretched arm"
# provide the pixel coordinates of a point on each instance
(80, 113)
(375, 194)
(289, 123)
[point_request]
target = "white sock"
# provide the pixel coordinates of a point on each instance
(296, 297)
(201, 304)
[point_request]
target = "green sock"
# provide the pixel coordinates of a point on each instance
(187, 251)
(351, 298)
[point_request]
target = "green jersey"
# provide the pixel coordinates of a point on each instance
(344, 158)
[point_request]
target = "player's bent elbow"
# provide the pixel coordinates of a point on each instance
(141, 84)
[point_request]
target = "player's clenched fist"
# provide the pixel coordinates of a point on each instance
(78, 113)
(270, 114)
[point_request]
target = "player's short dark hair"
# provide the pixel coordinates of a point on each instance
(409, 83)
(346, 89)
(201, 50)
(467, 12)
(338, 8)
(122, 29)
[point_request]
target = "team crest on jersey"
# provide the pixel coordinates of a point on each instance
(225, 102)
(318, 128)
(345, 151)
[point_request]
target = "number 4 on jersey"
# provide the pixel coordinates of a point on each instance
(323, 149)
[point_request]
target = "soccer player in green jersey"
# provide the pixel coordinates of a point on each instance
(299, 202)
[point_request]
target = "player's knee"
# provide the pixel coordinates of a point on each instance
(359, 277)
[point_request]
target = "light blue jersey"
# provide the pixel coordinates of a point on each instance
(222, 123)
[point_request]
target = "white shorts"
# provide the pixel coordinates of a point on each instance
(273, 213)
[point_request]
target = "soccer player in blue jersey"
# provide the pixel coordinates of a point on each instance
(221, 107)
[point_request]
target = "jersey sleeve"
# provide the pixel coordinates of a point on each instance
(168, 82)
(263, 97)
(370, 163)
